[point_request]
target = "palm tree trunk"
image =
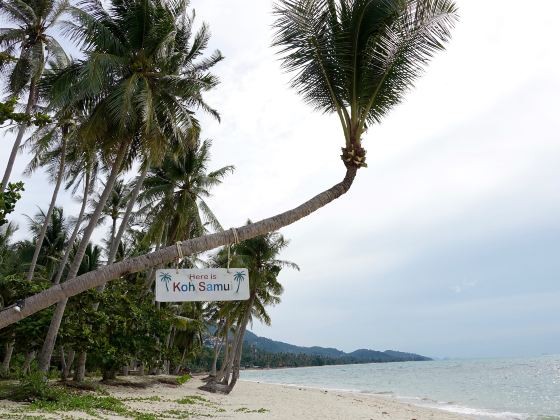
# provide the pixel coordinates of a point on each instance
(29, 356)
(80, 371)
(226, 355)
(166, 363)
(62, 362)
(222, 383)
(8, 351)
(76, 229)
(113, 230)
(151, 276)
(129, 207)
(217, 350)
(236, 363)
(225, 371)
(116, 239)
(31, 101)
(50, 339)
(43, 232)
(236, 355)
(61, 292)
(81, 368)
(67, 368)
(180, 365)
(237, 346)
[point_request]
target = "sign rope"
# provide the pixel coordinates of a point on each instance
(235, 242)
(179, 255)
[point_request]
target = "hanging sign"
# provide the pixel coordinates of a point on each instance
(210, 284)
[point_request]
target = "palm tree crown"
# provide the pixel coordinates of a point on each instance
(33, 19)
(142, 77)
(358, 57)
(175, 194)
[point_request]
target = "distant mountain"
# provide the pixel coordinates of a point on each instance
(359, 356)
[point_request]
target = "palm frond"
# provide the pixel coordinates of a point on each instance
(358, 57)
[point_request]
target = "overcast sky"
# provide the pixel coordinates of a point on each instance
(449, 243)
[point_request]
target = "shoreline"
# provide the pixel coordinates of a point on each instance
(251, 400)
(449, 408)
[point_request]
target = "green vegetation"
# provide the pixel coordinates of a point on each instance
(192, 399)
(81, 402)
(247, 410)
(47, 397)
(8, 199)
(8, 113)
(32, 387)
(184, 379)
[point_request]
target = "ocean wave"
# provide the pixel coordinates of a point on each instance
(477, 412)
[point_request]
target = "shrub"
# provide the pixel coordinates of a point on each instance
(184, 379)
(34, 387)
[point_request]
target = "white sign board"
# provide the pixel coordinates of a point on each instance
(209, 284)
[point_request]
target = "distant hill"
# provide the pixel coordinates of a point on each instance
(359, 356)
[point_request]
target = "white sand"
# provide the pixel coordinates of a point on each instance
(251, 400)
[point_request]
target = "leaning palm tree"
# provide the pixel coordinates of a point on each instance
(33, 20)
(354, 58)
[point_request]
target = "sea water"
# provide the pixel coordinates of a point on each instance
(522, 388)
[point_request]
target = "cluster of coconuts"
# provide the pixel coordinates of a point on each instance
(354, 156)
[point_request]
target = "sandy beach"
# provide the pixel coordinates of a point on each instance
(248, 400)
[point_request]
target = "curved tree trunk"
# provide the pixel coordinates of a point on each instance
(50, 339)
(45, 226)
(76, 229)
(31, 102)
(61, 292)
